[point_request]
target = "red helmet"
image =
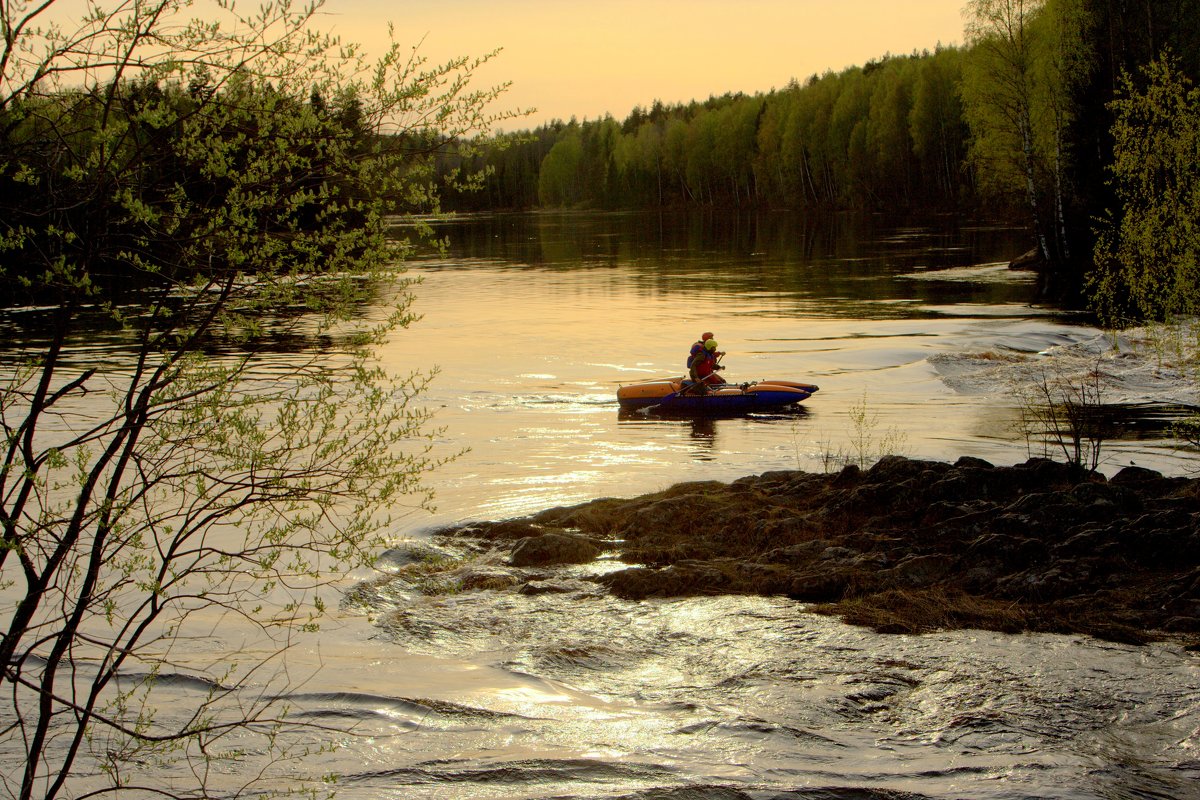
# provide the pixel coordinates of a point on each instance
(704, 337)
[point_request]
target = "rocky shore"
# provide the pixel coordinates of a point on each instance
(906, 546)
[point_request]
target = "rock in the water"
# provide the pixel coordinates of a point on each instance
(904, 546)
(553, 548)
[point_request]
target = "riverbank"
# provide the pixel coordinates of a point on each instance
(906, 546)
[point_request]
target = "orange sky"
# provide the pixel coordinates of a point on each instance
(592, 57)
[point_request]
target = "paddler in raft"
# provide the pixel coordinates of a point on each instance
(698, 348)
(703, 363)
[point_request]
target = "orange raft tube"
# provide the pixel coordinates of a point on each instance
(683, 396)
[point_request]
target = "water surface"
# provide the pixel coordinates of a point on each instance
(533, 321)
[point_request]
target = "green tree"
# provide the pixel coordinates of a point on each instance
(888, 138)
(560, 182)
(675, 157)
(1121, 38)
(770, 169)
(998, 96)
(1026, 61)
(936, 122)
(1148, 253)
(200, 194)
(648, 159)
(735, 143)
(1065, 27)
(808, 146)
(638, 161)
(701, 155)
(847, 138)
(599, 160)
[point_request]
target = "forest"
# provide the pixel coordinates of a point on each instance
(1077, 119)
(1017, 124)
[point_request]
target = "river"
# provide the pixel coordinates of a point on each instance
(908, 327)
(535, 320)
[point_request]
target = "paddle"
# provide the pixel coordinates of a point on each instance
(696, 388)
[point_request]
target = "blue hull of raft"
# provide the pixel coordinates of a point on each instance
(672, 396)
(728, 404)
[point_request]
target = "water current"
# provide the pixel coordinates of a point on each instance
(535, 320)
(914, 331)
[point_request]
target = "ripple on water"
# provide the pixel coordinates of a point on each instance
(753, 697)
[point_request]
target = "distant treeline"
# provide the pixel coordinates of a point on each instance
(891, 132)
(1023, 122)
(1017, 122)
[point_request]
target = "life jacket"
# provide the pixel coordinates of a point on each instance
(704, 365)
(697, 350)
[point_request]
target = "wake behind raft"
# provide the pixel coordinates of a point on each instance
(682, 396)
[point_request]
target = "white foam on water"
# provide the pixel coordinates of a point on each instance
(1148, 365)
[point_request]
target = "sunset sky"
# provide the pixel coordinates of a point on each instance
(594, 57)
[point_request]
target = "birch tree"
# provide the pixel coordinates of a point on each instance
(998, 96)
(191, 207)
(1026, 59)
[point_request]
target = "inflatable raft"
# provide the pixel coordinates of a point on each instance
(677, 395)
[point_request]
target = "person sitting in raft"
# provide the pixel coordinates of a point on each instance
(702, 368)
(698, 348)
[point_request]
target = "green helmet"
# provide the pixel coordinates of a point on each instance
(711, 344)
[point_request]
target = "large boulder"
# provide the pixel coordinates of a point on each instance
(553, 548)
(1029, 261)
(686, 578)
